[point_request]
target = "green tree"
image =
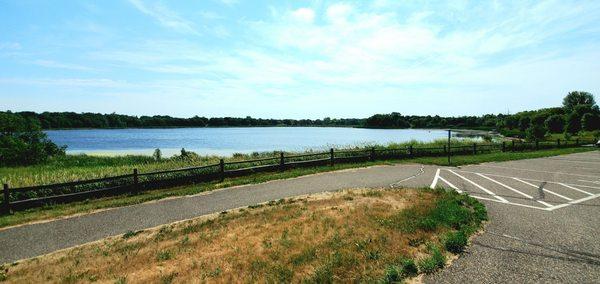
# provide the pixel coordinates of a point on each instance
(573, 123)
(576, 98)
(22, 142)
(590, 121)
(555, 123)
(536, 131)
(524, 122)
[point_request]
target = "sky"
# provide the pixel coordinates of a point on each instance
(296, 59)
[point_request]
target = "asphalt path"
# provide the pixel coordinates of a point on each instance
(534, 235)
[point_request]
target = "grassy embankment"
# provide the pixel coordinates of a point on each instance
(81, 167)
(60, 210)
(352, 236)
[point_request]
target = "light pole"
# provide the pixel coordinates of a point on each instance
(449, 135)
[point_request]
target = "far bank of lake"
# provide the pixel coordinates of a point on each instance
(226, 141)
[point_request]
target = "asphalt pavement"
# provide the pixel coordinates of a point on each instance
(535, 234)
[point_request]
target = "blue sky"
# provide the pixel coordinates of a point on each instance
(296, 59)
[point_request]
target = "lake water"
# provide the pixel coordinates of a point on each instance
(226, 141)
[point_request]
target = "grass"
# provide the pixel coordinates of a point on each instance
(60, 210)
(81, 167)
(323, 238)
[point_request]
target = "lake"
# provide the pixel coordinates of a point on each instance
(226, 141)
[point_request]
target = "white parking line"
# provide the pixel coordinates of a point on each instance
(512, 203)
(530, 179)
(451, 185)
(574, 202)
(574, 161)
(590, 181)
(519, 169)
(435, 179)
(549, 207)
(508, 187)
(548, 191)
(480, 187)
(577, 189)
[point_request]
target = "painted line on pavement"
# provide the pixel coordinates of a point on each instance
(435, 179)
(521, 193)
(577, 189)
(548, 191)
(530, 179)
(451, 185)
(519, 169)
(574, 202)
(480, 187)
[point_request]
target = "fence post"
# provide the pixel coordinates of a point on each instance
(577, 142)
(558, 142)
(6, 203)
(410, 151)
(372, 154)
(537, 145)
(503, 146)
(222, 170)
(513, 146)
(135, 179)
(474, 148)
(331, 157)
(281, 162)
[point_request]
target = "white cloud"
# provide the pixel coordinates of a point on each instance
(10, 46)
(165, 17)
(305, 15)
(59, 65)
(338, 13)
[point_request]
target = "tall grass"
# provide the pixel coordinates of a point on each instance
(81, 167)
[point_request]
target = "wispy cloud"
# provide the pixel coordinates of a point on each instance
(60, 65)
(10, 46)
(165, 16)
(415, 57)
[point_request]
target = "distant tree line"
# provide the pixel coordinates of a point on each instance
(579, 112)
(23, 142)
(71, 120)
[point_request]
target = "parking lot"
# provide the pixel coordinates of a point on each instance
(544, 216)
(545, 184)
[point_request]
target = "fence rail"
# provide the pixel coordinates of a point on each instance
(22, 198)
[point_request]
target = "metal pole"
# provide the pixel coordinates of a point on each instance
(331, 157)
(6, 204)
(449, 149)
(222, 169)
(135, 180)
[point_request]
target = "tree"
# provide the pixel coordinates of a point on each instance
(590, 121)
(23, 143)
(576, 98)
(157, 154)
(524, 123)
(573, 123)
(555, 123)
(536, 130)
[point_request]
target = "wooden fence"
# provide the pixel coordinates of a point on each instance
(36, 196)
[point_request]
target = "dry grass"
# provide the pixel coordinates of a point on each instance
(339, 237)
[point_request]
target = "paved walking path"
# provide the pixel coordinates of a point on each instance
(528, 239)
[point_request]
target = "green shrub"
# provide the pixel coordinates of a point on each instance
(393, 274)
(164, 255)
(455, 242)
(433, 262)
(409, 268)
(22, 142)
